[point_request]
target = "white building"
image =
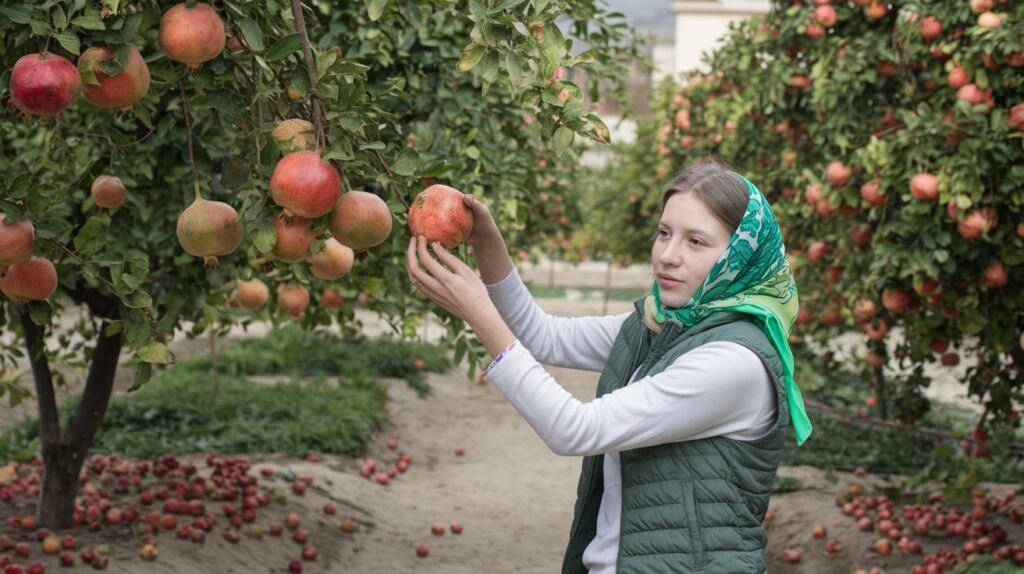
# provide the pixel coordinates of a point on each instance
(700, 26)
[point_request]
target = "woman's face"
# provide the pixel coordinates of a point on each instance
(690, 240)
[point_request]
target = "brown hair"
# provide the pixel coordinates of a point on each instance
(717, 186)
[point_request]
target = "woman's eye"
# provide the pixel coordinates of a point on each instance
(697, 242)
(662, 233)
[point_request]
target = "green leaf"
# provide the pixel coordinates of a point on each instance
(59, 19)
(600, 130)
(324, 60)
(143, 373)
(40, 312)
(17, 16)
(264, 240)
(111, 5)
(252, 34)
(375, 8)
(552, 50)
(407, 162)
(284, 47)
(155, 352)
(563, 139)
(89, 21)
(371, 145)
(91, 239)
(490, 67)
(471, 56)
(69, 41)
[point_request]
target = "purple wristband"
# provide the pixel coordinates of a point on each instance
(500, 356)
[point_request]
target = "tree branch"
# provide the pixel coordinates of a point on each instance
(49, 419)
(307, 53)
(188, 130)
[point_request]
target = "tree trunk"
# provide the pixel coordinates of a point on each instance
(64, 452)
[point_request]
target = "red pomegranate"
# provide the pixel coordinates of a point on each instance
(360, 220)
(825, 15)
(32, 280)
(957, 78)
(304, 185)
(924, 187)
(209, 229)
(331, 299)
(931, 29)
(995, 276)
(192, 35)
(44, 84)
(838, 173)
(971, 93)
(895, 300)
(1017, 117)
(108, 192)
(812, 193)
(333, 262)
(865, 310)
(439, 214)
(869, 193)
(251, 294)
(862, 233)
(292, 299)
(977, 223)
(120, 90)
(979, 6)
(293, 238)
(818, 251)
(16, 242)
(875, 10)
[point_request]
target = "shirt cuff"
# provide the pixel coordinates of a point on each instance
(500, 356)
(505, 285)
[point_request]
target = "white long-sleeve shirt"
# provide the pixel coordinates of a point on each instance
(718, 389)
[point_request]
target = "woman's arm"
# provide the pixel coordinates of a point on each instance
(575, 342)
(581, 343)
(720, 388)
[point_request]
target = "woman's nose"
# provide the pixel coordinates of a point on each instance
(672, 254)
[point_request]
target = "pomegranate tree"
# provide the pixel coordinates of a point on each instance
(136, 273)
(889, 148)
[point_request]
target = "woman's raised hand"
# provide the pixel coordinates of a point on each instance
(489, 248)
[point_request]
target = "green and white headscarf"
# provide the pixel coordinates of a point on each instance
(752, 276)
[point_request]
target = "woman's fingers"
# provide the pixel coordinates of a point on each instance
(453, 262)
(430, 264)
(422, 280)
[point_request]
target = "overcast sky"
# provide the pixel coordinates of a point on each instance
(646, 14)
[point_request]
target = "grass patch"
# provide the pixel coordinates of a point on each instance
(784, 484)
(174, 413)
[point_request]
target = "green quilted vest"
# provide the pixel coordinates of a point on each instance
(691, 506)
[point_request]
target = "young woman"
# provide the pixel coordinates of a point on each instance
(682, 443)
